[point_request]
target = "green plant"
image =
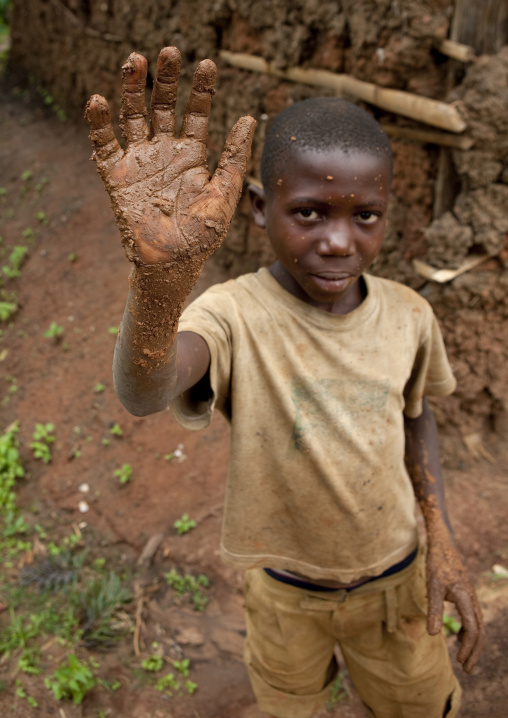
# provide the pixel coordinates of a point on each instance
(167, 684)
(113, 330)
(16, 258)
(187, 585)
(26, 176)
(182, 666)
(184, 524)
(190, 687)
(72, 257)
(11, 469)
(7, 309)
(29, 662)
(153, 663)
(71, 681)
(28, 234)
(124, 473)
(41, 217)
(42, 438)
(100, 602)
(116, 430)
(99, 388)
(338, 692)
(21, 693)
(54, 331)
(451, 625)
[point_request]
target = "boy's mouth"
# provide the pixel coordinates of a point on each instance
(333, 281)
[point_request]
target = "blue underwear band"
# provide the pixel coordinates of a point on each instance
(300, 583)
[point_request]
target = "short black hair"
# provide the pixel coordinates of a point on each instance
(321, 124)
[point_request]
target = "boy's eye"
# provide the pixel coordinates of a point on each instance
(307, 213)
(368, 217)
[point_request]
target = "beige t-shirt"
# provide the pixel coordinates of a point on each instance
(316, 480)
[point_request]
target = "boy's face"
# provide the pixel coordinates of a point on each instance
(325, 218)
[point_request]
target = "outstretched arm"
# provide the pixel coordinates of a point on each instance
(172, 216)
(446, 576)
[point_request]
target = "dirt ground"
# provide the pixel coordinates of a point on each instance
(76, 276)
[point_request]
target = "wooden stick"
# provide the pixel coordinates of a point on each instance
(433, 137)
(446, 275)
(456, 50)
(424, 109)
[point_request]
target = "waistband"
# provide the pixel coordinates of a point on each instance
(309, 586)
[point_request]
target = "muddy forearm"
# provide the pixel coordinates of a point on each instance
(144, 365)
(424, 467)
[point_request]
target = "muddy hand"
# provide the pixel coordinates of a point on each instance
(447, 581)
(165, 203)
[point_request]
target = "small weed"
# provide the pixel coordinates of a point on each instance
(189, 586)
(100, 603)
(153, 663)
(28, 234)
(167, 684)
(124, 473)
(40, 185)
(451, 625)
(184, 524)
(15, 261)
(54, 331)
(72, 257)
(52, 573)
(113, 330)
(21, 693)
(99, 388)
(41, 217)
(190, 687)
(26, 176)
(182, 666)
(338, 692)
(7, 309)
(116, 430)
(11, 469)
(42, 438)
(106, 442)
(71, 681)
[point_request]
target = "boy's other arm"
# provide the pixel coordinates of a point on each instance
(446, 576)
(172, 216)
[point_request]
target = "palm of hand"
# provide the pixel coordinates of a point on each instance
(165, 204)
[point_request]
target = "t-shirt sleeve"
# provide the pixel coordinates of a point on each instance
(210, 316)
(431, 374)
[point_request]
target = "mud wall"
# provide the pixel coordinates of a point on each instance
(76, 47)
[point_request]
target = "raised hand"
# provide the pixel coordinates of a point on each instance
(166, 206)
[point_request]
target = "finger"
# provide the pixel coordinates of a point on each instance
(195, 121)
(164, 91)
(105, 144)
(228, 177)
(474, 632)
(132, 119)
(436, 607)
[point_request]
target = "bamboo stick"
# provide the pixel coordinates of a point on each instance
(433, 137)
(456, 50)
(424, 109)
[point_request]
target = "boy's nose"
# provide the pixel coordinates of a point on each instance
(337, 238)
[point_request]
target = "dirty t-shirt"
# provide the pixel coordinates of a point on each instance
(316, 480)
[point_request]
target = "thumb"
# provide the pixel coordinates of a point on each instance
(228, 177)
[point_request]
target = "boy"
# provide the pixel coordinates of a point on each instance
(321, 370)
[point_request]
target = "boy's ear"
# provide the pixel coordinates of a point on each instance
(257, 204)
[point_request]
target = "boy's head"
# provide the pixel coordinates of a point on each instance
(326, 172)
(320, 125)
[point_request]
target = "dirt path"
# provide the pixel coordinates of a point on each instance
(76, 276)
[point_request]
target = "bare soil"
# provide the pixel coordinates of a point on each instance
(56, 382)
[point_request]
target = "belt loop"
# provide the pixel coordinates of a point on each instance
(392, 618)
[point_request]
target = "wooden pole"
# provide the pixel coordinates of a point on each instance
(423, 109)
(432, 137)
(456, 50)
